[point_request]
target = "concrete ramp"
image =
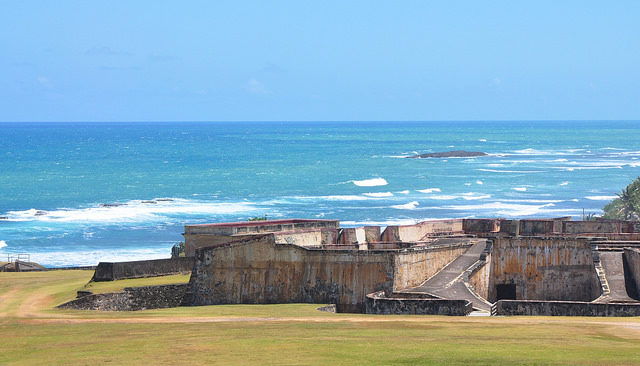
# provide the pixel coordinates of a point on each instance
(613, 267)
(449, 282)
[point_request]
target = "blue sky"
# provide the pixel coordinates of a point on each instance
(329, 60)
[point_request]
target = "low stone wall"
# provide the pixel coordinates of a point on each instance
(110, 271)
(564, 308)
(377, 303)
(132, 298)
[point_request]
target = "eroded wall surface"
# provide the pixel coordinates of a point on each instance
(480, 279)
(422, 230)
(109, 271)
(632, 257)
(259, 271)
(544, 268)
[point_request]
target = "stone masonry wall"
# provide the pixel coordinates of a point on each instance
(259, 271)
(109, 271)
(415, 266)
(632, 257)
(564, 308)
(544, 268)
(131, 298)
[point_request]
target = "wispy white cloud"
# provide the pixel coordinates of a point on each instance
(254, 86)
(44, 81)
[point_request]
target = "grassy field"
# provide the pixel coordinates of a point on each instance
(33, 331)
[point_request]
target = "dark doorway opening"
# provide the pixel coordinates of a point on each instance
(506, 291)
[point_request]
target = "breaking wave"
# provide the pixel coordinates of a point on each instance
(407, 206)
(601, 198)
(371, 182)
(133, 211)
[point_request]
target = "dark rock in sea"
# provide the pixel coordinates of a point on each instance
(148, 202)
(4, 218)
(449, 154)
(112, 204)
(40, 213)
(164, 200)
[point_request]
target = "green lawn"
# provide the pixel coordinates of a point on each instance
(32, 332)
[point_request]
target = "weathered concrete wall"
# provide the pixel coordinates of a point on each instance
(109, 271)
(422, 230)
(194, 241)
(577, 227)
(482, 226)
(377, 303)
(132, 298)
(305, 238)
(199, 236)
(544, 268)
(480, 278)
(564, 308)
(259, 271)
(632, 259)
(414, 266)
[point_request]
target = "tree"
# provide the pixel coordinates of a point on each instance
(627, 205)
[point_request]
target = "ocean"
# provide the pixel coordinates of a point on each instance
(79, 193)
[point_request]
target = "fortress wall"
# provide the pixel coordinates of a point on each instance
(419, 231)
(301, 238)
(416, 266)
(481, 280)
(256, 270)
(544, 268)
(482, 226)
(194, 241)
(632, 258)
(109, 271)
(578, 227)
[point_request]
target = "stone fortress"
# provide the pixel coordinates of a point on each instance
(450, 267)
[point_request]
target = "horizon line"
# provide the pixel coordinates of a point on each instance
(333, 121)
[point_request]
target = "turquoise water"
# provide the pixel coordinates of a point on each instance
(73, 193)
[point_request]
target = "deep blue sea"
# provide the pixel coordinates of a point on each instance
(79, 193)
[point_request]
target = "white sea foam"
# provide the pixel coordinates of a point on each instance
(406, 191)
(346, 197)
(3, 243)
(525, 200)
(564, 183)
(390, 222)
(379, 194)
(407, 206)
(495, 165)
(520, 189)
(510, 209)
(508, 171)
(133, 211)
(429, 190)
(443, 197)
(92, 257)
(467, 184)
(371, 182)
(482, 140)
(472, 196)
(479, 182)
(601, 198)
